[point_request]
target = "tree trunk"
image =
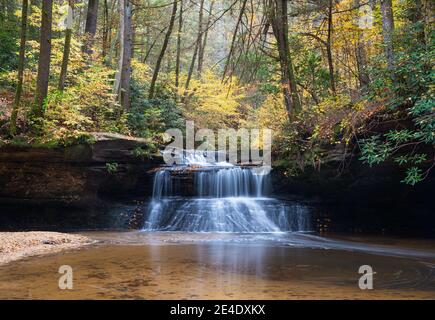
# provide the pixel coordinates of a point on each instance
(361, 61)
(67, 47)
(44, 59)
(133, 40)
(111, 41)
(105, 30)
(120, 36)
(233, 40)
(162, 51)
(195, 51)
(142, 46)
(79, 11)
(361, 55)
(177, 59)
(388, 30)
(91, 25)
(329, 49)
(112, 49)
(14, 115)
(279, 21)
(201, 31)
(125, 47)
(204, 43)
(150, 49)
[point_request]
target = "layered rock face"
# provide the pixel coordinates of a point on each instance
(98, 185)
(80, 178)
(350, 196)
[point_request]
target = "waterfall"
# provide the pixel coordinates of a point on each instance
(198, 157)
(227, 199)
(162, 185)
(230, 182)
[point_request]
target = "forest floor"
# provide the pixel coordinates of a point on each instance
(18, 245)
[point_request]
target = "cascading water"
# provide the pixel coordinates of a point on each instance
(229, 182)
(227, 199)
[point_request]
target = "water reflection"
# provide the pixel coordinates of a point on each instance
(165, 265)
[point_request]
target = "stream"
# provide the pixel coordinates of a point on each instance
(230, 240)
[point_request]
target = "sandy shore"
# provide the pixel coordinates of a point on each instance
(18, 245)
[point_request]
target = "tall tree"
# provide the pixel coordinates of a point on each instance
(91, 25)
(195, 50)
(163, 50)
(204, 42)
(67, 46)
(279, 20)
(178, 54)
(111, 41)
(233, 40)
(106, 29)
(122, 83)
(387, 31)
(14, 115)
(361, 54)
(44, 58)
(329, 48)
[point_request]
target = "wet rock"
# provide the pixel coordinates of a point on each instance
(58, 180)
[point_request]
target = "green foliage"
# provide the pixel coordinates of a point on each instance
(311, 73)
(8, 49)
(423, 113)
(373, 151)
(9, 43)
(400, 136)
(112, 167)
(412, 89)
(413, 159)
(147, 152)
(150, 118)
(249, 96)
(413, 175)
(263, 69)
(87, 105)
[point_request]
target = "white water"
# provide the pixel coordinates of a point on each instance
(230, 182)
(198, 157)
(227, 199)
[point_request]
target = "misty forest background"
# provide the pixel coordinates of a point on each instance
(346, 77)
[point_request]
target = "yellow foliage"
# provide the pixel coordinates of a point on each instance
(211, 103)
(141, 71)
(272, 114)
